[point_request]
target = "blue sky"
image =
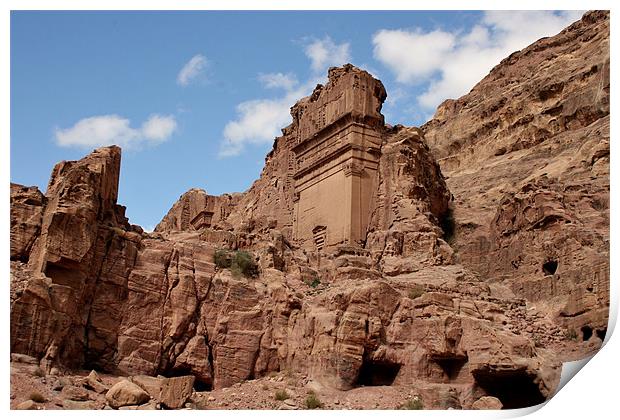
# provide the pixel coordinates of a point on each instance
(196, 98)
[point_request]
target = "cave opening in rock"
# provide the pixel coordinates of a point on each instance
(448, 225)
(514, 388)
(64, 272)
(601, 333)
(200, 385)
(377, 373)
(586, 332)
(451, 366)
(550, 267)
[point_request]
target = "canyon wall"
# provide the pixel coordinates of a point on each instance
(526, 156)
(479, 260)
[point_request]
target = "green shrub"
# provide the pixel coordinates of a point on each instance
(222, 258)
(241, 263)
(413, 404)
(570, 334)
(312, 402)
(282, 395)
(314, 283)
(416, 291)
(37, 397)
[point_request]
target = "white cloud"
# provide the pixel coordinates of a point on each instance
(412, 55)
(192, 69)
(159, 127)
(278, 80)
(259, 121)
(324, 53)
(105, 130)
(451, 63)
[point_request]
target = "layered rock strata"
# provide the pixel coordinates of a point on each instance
(526, 156)
(410, 301)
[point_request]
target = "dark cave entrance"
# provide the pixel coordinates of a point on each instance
(64, 272)
(550, 267)
(451, 366)
(377, 373)
(200, 385)
(514, 388)
(586, 332)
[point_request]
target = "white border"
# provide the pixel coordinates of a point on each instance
(592, 394)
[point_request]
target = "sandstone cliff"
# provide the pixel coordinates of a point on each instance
(459, 299)
(526, 156)
(26, 207)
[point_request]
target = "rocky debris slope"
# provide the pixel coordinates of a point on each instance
(221, 293)
(32, 389)
(526, 156)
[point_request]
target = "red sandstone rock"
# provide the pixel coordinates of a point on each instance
(26, 207)
(487, 403)
(126, 393)
(526, 154)
(196, 210)
(79, 263)
(391, 307)
(176, 391)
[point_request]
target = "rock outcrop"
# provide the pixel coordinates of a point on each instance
(79, 265)
(26, 208)
(413, 301)
(196, 210)
(526, 155)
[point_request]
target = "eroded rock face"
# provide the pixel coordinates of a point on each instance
(26, 207)
(410, 303)
(196, 210)
(526, 154)
(79, 262)
(411, 200)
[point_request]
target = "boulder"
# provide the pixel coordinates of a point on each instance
(80, 405)
(92, 381)
(24, 358)
(126, 393)
(74, 393)
(150, 384)
(26, 405)
(176, 391)
(487, 403)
